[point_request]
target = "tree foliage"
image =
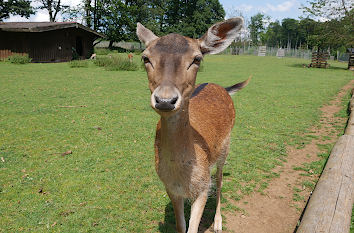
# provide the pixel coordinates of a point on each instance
(337, 16)
(332, 30)
(117, 19)
(15, 7)
(308, 33)
(256, 27)
(192, 17)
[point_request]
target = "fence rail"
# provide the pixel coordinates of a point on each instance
(330, 207)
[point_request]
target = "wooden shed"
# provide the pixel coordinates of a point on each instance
(47, 41)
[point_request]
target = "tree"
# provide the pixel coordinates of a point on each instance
(15, 7)
(117, 19)
(113, 20)
(53, 7)
(192, 17)
(273, 35)
(307, 28)
(337, 29)
(201, 16)
(290, 32)
(256, 27)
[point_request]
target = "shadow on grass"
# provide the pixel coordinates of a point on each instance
(305, 66)
(169, 224)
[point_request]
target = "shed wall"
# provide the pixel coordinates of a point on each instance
(49, 46)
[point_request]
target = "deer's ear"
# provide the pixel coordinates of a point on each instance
(220, 35)
(144, 34)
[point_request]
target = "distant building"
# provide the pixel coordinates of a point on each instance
(47, 41)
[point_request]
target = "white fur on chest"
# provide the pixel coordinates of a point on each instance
(182, 177)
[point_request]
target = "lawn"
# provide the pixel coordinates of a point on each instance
(106, 182)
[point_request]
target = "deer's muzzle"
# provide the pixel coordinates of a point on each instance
(166, 99)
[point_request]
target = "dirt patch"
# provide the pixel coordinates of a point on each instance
(276, 211)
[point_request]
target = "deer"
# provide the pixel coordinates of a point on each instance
(193, 133)
(130, 57)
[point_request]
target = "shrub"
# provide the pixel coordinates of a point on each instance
(78, 64)
(19, 59)
(102, 51)
(102, 61)
(116, 63)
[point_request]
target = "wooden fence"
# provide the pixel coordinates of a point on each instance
(351, 61)
(330, 207)
(319, 60)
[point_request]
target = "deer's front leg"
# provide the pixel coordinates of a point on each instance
(197, 212)
(178, 209)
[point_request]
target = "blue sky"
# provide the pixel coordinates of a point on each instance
(276, 9)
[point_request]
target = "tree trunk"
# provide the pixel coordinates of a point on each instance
(88, 13)
(110, 46)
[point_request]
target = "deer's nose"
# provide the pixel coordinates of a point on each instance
(165, 104)
(166, 98)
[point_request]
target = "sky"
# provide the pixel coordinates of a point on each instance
(276, 9)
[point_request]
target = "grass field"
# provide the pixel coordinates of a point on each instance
(106, 181)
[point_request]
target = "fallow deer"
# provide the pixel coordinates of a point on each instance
(193, 133)
(130, 57)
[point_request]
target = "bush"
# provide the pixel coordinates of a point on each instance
(102, 61)
(116, 63)
(102, 51)
(78, 64)
(19, 59)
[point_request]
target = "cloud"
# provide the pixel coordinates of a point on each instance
(245, 7)
(285, 6)
(40, 16)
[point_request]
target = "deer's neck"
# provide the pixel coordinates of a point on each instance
(175, 133)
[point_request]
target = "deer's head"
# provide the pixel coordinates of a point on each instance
(172, 62)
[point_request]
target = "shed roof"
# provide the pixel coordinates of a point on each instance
(42, 27)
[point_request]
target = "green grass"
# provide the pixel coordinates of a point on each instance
(108, 183)
(79, 64)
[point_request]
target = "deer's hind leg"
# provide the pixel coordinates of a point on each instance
(219, 166)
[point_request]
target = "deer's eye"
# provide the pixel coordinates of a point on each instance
(197, 60)
(145, 59)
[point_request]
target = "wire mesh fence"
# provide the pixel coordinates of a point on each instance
(273, 51)
(243, 50)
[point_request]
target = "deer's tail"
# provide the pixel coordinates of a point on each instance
(238, 86)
